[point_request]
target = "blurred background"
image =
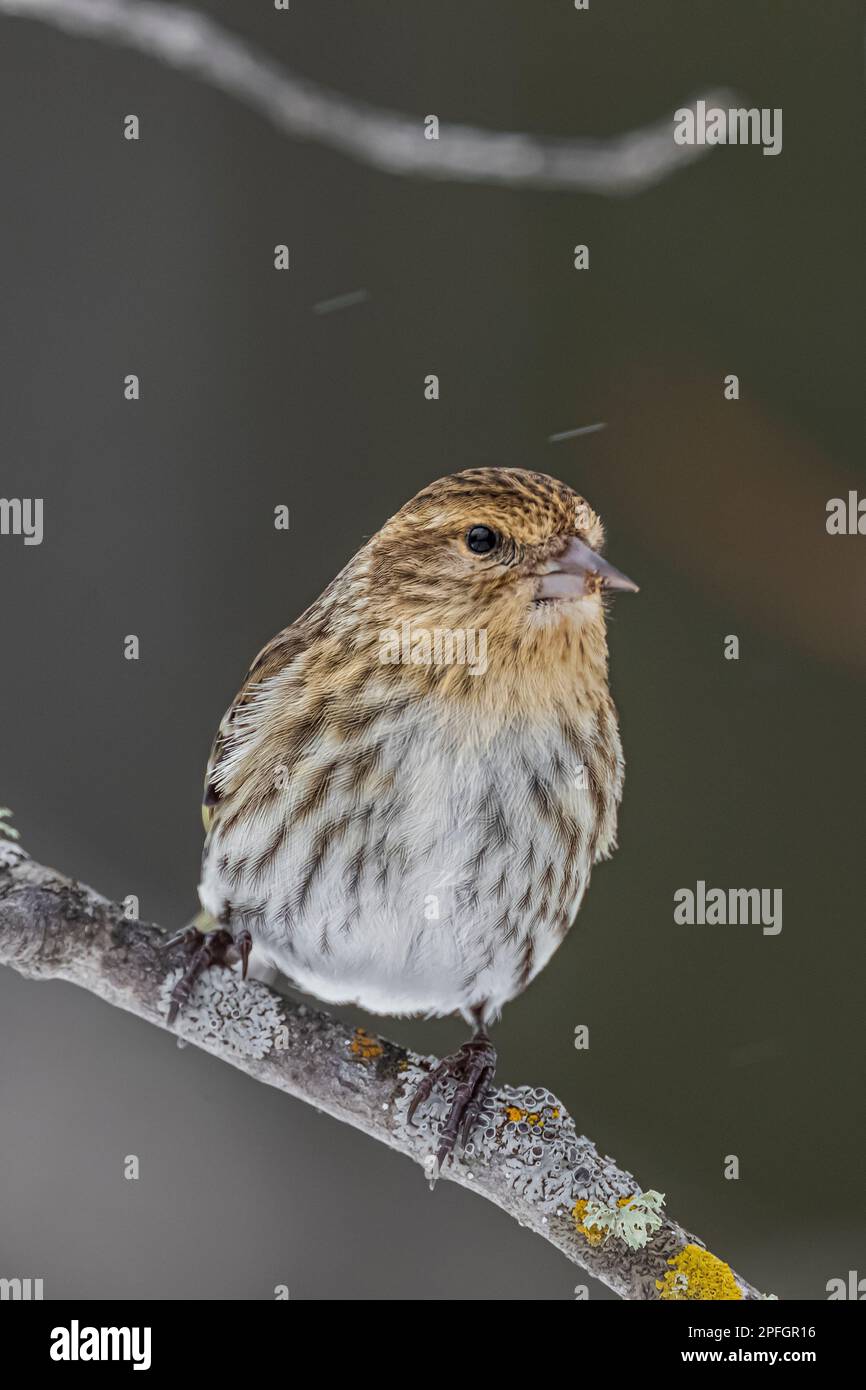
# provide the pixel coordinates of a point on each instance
(156, 258)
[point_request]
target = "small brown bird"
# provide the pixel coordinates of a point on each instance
(405, 801)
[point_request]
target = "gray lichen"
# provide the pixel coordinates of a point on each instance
(530, 1136)
(242, 1017)
(632, 1221)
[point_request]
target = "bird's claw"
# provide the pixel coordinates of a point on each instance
(185, 934)
(472, 1067)
(243, 945)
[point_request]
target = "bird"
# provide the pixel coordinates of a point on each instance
(404, 803)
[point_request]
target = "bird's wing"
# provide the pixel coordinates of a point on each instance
(272, 659)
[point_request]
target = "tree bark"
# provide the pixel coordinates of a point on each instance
(527, 1158)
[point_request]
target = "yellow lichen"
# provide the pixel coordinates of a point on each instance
(695, 1273)
(579, 1212)
(365, 1047)
(532, 1117)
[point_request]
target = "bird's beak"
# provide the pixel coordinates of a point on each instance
(568, 575)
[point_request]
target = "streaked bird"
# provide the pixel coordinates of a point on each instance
(406, 799)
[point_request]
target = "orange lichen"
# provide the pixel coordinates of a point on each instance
(593, 1237)
(532, 1117)
(697, 1274)
(365, 1047)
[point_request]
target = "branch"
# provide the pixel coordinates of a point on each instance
(186, 39)
(529, 1160)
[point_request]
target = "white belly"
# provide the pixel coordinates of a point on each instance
(444, 884)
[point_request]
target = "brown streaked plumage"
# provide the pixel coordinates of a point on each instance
(406, 798)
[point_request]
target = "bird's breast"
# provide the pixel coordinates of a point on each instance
(422, 864)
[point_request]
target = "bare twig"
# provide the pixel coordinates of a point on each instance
(191, 41)
(529, 1160)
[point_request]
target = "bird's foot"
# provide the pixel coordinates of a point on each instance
(216, 946)
(472, 1067)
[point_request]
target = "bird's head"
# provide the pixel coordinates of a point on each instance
(503, 552)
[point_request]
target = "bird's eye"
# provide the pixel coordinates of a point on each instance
(481, 540)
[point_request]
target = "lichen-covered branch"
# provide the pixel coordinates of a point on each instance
(193, 42)
(528, 1158)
